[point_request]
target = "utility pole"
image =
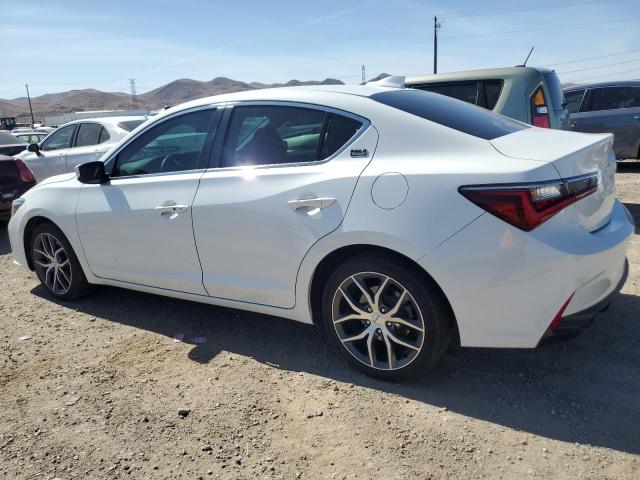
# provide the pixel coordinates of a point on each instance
(132, 82)
(364, 75)
(436, 26)
(33, 121)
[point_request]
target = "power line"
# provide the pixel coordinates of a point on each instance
(601, 66)
(542, 28)
(590, 58)
(514, 9)
(605, 75)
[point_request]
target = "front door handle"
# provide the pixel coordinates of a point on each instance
(171, 208)
(310, 203)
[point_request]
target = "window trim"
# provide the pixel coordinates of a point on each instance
(582, 100)
(110, 162)
(223, 128)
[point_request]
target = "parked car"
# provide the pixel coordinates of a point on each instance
(531, 95)
(76, 142)
(608, 107)
(30, 137)
(15, 179)
(10, 144)
(398, 219)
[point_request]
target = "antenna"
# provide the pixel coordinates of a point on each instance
(30, 109)
(132, 82)
(526, 59)
(436, 26)
(364, 75)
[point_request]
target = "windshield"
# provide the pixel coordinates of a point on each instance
(450, 112)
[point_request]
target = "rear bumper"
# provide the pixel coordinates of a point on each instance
(506, 286)
(571, 325)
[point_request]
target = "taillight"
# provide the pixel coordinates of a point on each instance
(539, 109)
(528, 205)
(25, 172)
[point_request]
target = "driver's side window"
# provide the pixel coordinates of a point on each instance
(171, 146)
(59, 139)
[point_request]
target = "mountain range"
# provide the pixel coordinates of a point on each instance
(173, 93)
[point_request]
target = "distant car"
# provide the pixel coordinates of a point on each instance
(76, 142)
(612, 107)
(15, 179)
(10, 144)
(531, 95)
(398, 219)
(30, 136)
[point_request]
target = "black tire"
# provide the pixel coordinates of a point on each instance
(78, 285)
(435, 314)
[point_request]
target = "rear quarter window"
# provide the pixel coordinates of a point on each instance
(451, 113)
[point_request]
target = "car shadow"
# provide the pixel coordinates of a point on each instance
(634, 210)
(629, 166)
(584, 390)
(5, 247)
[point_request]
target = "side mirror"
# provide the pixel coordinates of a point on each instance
(92, 173)
(34, 147)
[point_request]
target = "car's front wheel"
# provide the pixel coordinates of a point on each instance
(385, 318)
(56, 264)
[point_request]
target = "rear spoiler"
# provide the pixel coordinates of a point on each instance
(394, 81)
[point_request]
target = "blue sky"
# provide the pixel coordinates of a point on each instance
(73, 44)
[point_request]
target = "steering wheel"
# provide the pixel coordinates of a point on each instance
(171, 163)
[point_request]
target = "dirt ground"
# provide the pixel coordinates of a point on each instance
(97, 388)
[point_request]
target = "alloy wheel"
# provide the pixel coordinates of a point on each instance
(378, 321)
(52, 263)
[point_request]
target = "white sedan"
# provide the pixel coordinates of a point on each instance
(399, 220)
(74, 143)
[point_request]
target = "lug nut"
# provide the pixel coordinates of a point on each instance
(369, 309)
(378, 331)
(383, 310)
(388, 324)
(368, 322)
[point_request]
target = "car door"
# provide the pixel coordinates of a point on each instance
(137, 227)
(86, 146)
(282, 180)
(51, 159)
(616, 110)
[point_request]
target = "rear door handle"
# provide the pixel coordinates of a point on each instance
(310, 203)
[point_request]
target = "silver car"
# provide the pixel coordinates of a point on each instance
(531, 95)
(612, 107)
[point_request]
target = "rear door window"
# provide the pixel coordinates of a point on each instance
(450, 113)
(88, 134)
(612, 98)
(274, 135)
(574, 100)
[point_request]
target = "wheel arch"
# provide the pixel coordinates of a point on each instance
(330, 261)
(30, 226)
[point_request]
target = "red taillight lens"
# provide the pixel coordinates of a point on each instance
(25, 172)
(539, 109)
(527, 206)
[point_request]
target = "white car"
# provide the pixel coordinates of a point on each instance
(400, 220)
(76, 142)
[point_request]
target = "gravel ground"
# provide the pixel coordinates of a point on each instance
(100, 389)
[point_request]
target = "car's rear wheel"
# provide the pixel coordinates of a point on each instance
(385, 318)
(56, 264)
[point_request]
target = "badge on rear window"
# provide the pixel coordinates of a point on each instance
(359, 152)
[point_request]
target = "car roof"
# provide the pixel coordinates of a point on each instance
(486, 73)
(112, 121)
(615, 83)
(283, 94)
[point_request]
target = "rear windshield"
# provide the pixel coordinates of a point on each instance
(130, 125)
(7, 139)
(555, 90)
(451, 113)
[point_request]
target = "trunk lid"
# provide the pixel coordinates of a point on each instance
(572, 154)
